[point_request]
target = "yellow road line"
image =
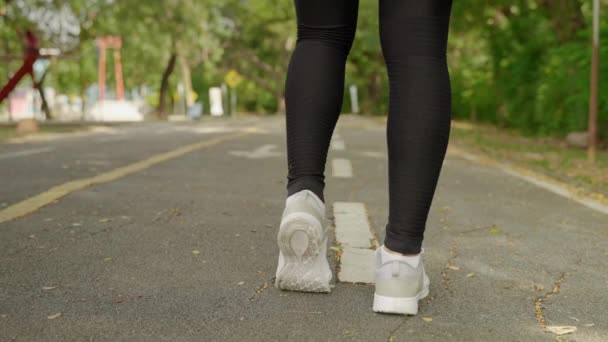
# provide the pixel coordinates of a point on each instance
(36, 202)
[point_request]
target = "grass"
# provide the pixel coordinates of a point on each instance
(549, 156)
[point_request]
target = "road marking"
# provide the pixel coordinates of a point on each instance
(111, 139)
(542, 181)
(338, 145)
(26, 152)
(36, 202)
(264, 151)
(354, 235)
(342, 168)
(373, 154)
(205, 129)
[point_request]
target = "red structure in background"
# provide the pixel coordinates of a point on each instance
(32, 53)
(103, 43)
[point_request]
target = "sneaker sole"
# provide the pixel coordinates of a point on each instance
(397, 305)
(304, 248)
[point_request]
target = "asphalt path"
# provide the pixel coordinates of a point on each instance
(184, 249)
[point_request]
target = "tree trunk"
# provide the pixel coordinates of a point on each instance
(474, 113)
(566, 18)
(45, 105)
(164, 85)
(371, 102)
(280, 103)
(373, 93)
(279, 93)
(186, 81)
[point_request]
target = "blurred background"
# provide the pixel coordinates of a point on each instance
(520, 66)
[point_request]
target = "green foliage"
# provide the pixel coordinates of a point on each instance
(522, 64)
(525, 65)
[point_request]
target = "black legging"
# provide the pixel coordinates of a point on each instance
(413, 34)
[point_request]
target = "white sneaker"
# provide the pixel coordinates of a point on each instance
(400, 283)
(302, 239)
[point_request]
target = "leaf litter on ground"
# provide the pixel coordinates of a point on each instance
(561, 330)
(55, 315)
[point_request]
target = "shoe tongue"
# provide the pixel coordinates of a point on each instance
(410, 260)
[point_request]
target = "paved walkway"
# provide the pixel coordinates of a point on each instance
(171, 235)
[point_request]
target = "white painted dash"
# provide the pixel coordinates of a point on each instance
(112, 139)
(342, 168)
(338, 145)
(354, 235)
(357, 266)
(352, 225)
(25, 152)
(373, 154)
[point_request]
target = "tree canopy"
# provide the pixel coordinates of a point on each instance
(521, 64)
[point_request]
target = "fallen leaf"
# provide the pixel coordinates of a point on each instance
(589, 324)
(104, 220)
(574, 318)
(334, 248)
(561, 330)
(240, 283)
(107, 259)
(427, 319)
(46, 288)
(53, 316)
(539, 287)
(32, 236)
(470, 275)
(453, 267)
(76, 224)
(495, 230)
(196, 252)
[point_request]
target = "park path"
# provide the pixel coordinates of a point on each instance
(183, 247)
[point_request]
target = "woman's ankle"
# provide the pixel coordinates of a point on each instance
(397, 253)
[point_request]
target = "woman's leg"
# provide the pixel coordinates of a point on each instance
(414, 38)
(314, 87)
